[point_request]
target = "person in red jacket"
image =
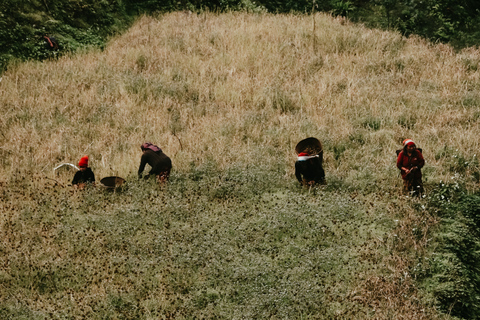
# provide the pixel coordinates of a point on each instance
(410, 162)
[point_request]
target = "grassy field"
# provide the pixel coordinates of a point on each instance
(232, 236)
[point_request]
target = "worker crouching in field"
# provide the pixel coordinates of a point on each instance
(159, 161)
(410, 162)
(309, 165)
(83, 176)
(50, 43)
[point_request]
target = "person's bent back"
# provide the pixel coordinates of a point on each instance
(161, 164)
(309, 169)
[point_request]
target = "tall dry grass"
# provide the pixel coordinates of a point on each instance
(244, 89)
(239, 91)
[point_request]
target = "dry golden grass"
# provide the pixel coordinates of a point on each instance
(241, 90)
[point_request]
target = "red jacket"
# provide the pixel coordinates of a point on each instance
(416, 160)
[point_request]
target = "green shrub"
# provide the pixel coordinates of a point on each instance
(451, 274)
(407, 121)
(372, 123)
(281, 100)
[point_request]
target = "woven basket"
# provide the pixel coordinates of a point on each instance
(112, 182)
(311, 145)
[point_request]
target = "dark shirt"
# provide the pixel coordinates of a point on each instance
(310, 170)
(157, 160)
(84, 176)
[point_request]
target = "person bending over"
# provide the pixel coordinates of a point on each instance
(159, 161)
(309, 169)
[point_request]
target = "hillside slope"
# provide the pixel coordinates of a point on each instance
(232, 236)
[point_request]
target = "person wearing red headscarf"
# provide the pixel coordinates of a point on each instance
(309, 170)
(159, 161)
(84, 175)
(410, 162)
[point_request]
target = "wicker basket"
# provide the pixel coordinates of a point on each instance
(112, 182)
(311, 145)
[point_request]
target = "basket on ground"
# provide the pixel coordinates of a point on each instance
(112, 182)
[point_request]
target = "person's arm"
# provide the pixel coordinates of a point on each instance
(76, 178)
(319, 172)
(400, 161)
(419, 163)
(143, 163)
(91, 177)
(421, 160)
(297, 172)
(400, 166)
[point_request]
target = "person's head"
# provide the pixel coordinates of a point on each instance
(83, 163)
(145, 146)
(409, 145)
(150, 146)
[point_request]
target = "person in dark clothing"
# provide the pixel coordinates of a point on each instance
(83, 176)
(159, 161)
(410, 162)
(309, 169)
(50, 43)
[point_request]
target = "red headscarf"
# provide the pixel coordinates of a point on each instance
(148, 145)
(408, 142)
(83, 162)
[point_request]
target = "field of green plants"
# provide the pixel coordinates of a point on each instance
(233, 235)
